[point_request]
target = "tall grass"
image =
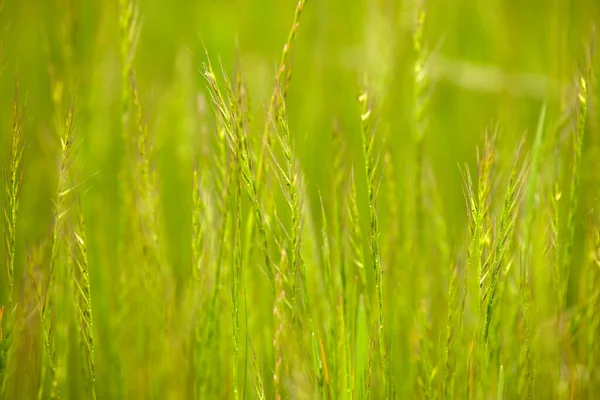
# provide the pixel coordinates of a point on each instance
(371, 159)
(13, 178)
(315, 260)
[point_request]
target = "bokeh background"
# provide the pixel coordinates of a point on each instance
(494, 62)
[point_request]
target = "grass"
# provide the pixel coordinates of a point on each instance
(13, 179)
(183, 219)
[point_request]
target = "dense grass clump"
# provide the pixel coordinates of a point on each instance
(183, 219)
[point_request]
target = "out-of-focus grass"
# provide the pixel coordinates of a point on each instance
(209, 277)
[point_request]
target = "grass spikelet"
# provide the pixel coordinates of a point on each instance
(231, 119)
(129, 25)
(493, 279)
(478, 259)
(479, 206)
(421, 83)
(144, 175)
(53, 329)
(582, 101)
(13, 182)
(80, 276)
(421, 99)
(355, 237)
(370, 159)
(254, 182)
(223, 178)
(242, 159)
(283, 76)
(13, 178)
(288, 178)
(503, 239)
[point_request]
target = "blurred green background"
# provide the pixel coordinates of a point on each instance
(491, 62)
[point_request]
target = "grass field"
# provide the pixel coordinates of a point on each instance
(273, 199)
